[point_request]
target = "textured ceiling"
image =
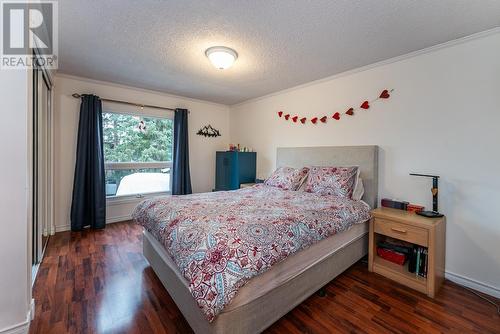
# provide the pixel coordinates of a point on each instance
(160, 45)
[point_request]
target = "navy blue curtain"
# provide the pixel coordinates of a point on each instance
(181, 184)
(88, 207)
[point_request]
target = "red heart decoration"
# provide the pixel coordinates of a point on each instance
(280, 113)
(294, 119)
(303, 120)
(336, 116)
(385, 94)
(323, 119)
(350, 112)
(365, 105)
(314, 120)
(287, 116)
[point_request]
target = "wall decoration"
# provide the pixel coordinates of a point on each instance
(142, 126)
(208, 131)
(365, 105)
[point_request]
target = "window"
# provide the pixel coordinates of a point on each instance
(138, 154)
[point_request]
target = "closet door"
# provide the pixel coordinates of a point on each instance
(42, 160)
(35, 136)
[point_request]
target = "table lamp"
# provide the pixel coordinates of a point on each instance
(434, 213)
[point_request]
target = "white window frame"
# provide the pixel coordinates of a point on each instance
(115, 200)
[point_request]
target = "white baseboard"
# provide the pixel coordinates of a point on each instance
(22, 327)
(473, 284)
(32, 309)
(117, 219)
(62, 228)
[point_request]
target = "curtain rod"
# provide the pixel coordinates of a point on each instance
(77, 96)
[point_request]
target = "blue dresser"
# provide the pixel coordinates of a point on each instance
(233, 169)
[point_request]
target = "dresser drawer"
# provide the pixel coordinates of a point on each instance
(400, 231)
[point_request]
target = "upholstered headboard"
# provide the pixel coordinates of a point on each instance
(366, 157)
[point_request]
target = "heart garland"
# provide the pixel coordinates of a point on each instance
(385, 94)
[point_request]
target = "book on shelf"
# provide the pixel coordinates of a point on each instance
(423, 269)
(412, 260)
(418, 261)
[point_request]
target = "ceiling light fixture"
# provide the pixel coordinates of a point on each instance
(221, 56)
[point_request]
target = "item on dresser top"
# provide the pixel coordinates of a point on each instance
(338, 181)
(434, 190)
(390, 203)
(236, 148)
(287, 178)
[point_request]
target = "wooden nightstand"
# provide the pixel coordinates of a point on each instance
(418, 230)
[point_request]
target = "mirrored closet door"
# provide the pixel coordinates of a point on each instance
(42, 163)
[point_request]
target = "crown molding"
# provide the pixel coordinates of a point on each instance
(143, 90)
(413, 54)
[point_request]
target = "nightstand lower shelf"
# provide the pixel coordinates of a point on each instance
(399, 273)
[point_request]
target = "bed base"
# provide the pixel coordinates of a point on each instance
(259, 314)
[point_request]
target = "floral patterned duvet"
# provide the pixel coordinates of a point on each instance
(222, 239)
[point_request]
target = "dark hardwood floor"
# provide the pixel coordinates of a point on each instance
(99, 282)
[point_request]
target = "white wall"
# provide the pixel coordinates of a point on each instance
(443, 118)
(66, 113)
(15, 259)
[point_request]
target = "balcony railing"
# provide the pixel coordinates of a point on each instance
(136, 179)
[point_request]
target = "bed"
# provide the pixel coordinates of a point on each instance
(251, 297)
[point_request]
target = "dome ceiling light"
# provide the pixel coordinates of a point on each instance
(221, 57)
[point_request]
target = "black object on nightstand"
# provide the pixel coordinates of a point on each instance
(434, 213)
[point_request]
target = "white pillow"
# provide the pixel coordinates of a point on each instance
(359, 190)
